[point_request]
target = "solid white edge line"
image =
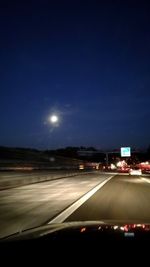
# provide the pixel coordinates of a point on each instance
(68, 211)
(146, 180)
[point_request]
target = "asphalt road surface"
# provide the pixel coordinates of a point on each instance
(33, 205)
(124, 198)
(91, 197)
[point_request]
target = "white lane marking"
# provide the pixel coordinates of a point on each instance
(146, 180)
(67, 212)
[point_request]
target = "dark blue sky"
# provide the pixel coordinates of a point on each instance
(85, 61)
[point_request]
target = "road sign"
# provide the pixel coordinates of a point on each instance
(125, 151)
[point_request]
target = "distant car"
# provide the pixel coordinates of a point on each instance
(81, 167)
(135, 171)
(123, 169)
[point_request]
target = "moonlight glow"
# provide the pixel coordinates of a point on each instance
(53, 119)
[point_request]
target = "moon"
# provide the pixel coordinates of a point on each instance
(53, 119)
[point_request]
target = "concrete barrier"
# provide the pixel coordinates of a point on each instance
(13, 181)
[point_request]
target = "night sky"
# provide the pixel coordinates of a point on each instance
(86, 62)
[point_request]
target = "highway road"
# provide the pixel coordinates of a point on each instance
(93, 196)
(124, 197)
(32, 205)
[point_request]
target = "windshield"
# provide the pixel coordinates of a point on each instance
(74, 113)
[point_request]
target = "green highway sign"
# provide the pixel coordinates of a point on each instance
(125, 151)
